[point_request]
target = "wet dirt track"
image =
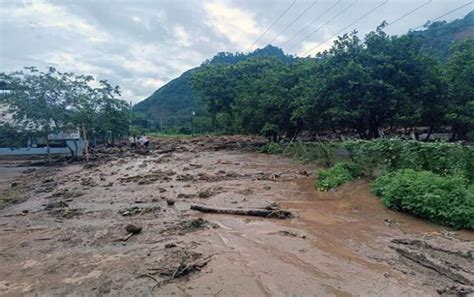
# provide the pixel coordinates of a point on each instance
(66, 235)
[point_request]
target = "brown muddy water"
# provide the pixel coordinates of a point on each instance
(64, 233)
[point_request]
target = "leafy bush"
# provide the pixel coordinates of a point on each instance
(392, 154)
(447, 200)
(336, 176)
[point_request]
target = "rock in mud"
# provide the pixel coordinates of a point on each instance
(206, 193)
(134, 229)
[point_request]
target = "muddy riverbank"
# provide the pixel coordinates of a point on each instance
(65, 234)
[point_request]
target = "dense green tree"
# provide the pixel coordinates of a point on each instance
(53, 101)
(364, 86)
(460, 79)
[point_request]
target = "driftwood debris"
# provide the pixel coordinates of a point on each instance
(264, 213)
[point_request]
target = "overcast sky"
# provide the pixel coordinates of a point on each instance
(140, 45)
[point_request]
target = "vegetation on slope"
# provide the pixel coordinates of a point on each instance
(172, 104)
(363, 87)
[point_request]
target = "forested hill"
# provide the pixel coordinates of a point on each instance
(439, 36)
(173, 103)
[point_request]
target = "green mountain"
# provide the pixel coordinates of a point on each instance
(172, 104)
(439, 36)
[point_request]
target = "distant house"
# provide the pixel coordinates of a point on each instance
(63, 143)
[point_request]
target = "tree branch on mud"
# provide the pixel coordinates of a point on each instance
(264, 213)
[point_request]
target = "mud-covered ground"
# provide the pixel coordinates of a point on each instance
(63, 230)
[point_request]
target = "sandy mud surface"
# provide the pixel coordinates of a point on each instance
(65, 230)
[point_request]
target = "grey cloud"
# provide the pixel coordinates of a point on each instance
(139, 43)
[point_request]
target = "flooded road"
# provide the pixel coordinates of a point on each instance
(67, 235)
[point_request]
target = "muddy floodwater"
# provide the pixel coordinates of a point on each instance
(64, 230)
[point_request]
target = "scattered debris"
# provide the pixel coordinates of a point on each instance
(170, 245)
(90, 165)
(290, 234)
(206, 193)
(135, 210)
(61, 209)
(245, 192)
(57, 204)
(199, 223)
(88, 181)
(184, 195)
(445, 267)
(149, 178)
(176, 264)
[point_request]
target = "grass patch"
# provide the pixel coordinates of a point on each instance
(339, 174)
(446, 200)
(388, 155)
(11, 196)
(320, 153)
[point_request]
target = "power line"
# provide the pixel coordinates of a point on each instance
(273, 23)
(312, 22)
(410, 12)
(294, 21)
(450, 12)
(327, 22)
(358, 19)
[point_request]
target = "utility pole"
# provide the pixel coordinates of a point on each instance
(130, 120)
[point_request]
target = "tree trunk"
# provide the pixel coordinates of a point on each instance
(373, 130)
(86, 144)
(48, 149)
(429, 133)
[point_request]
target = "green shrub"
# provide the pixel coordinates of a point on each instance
(336, 176)
(388, 155)
(447, 200)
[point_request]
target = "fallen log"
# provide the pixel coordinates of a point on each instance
(264, 213)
